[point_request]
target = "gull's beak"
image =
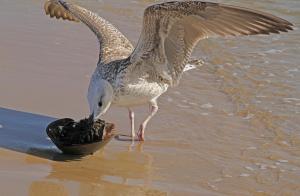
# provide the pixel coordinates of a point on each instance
(91, 117)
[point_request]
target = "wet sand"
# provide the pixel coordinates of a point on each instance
(230, 128)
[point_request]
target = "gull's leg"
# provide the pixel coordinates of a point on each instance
(131, 117)
(153, 111)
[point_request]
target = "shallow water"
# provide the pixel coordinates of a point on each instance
(230, 128)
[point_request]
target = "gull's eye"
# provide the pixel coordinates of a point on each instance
(100, 104)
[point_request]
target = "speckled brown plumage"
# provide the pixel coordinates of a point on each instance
(113, 44)
(172, 29)
(170, 32)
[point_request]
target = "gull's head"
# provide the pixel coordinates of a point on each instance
(100, 96)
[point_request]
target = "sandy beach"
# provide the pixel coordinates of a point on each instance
(230, 128)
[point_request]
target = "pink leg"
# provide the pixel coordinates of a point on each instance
(153, 111)
(131, 117)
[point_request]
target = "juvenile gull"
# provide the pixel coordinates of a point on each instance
(127, 76)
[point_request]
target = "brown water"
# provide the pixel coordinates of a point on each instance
(230, 128)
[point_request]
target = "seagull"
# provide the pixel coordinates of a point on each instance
(127, 77)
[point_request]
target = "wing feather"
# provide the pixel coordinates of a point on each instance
(113, 44)
(172, 29)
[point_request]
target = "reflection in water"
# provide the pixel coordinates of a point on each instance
(46, 188)
(126, 172)
(125, 164)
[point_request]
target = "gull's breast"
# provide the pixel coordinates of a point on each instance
(138, 93)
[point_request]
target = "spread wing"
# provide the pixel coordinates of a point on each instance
(113, 44)
(172, 29)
